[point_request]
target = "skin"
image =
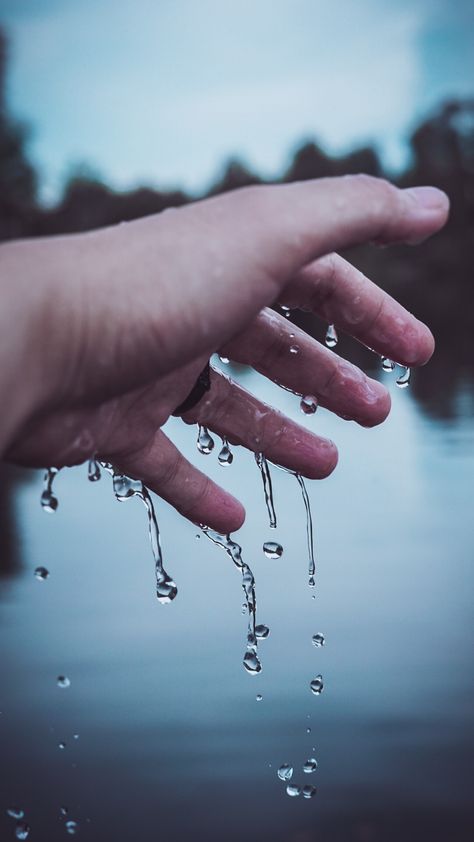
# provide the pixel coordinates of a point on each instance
(103, 334)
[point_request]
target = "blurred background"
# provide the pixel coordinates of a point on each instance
(110, 111)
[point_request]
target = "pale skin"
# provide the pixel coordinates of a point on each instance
(103, 334)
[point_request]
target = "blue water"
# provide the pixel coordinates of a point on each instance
(172, 743)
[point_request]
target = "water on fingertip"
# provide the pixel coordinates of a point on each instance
(224, 360)
(93, 470)
(49, 501)
(331, 337)
(294, 349)
(387, 364)
(205, 442)
(404, 379)
(308, 404)
(225, 457)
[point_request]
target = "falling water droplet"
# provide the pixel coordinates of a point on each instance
(272, 550)
(76, 736)
(93, 470)
(62, 746)
(308, 730)
(292, 790)
(225, 457)
(267, 488)
(387, 365)
(331, 338)
(41, 573)
(318, 640)
(64, 811)
(310, 766)
(262, 631)
(15, 812)
(285, 772)
(224, 360)
(63, 681)
(234, 551)
(308, 404)
(49, 501)
(309, 531)
(244, 608)
(72, 827)
(22, 830)
(205, 442)
(252, 663)
(317, 685)
(294, 349)
(286, 312)
(308, 791)
(259, 697)
(404, 380)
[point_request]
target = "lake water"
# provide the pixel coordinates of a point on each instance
(172, 742)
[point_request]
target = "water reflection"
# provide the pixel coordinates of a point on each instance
(173, 744)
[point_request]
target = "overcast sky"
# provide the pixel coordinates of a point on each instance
(164, 91)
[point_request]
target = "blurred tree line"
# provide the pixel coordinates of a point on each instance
(433, 281)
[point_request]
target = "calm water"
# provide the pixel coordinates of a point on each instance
(172, 742)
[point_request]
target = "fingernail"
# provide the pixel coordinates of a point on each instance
(428, 198)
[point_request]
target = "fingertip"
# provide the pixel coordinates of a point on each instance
(380, 406)
(323, 461)
(227, 515)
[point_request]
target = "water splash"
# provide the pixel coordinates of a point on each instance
(234, 551)
(93, 470)
(125, 488)
(293, 790)
(404, 380)
(308, 404)
(309, 532)
(387, 365)
(49, 501)
(205, 442)
(272, 550)
(294, 349)
(331, 338)
(285, 772)
(267, 488)
(225, 457)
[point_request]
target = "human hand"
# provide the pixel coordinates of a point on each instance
(120, 322)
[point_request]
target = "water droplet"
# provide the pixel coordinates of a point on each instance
(318, 640)
(285, 311)
(404, 380)
(63, 681)
(309, 531)
(308, 730)
(309, 404)
(285, 772)
(272, 550)
(15, 812)
(244, 608)
(294, 349)
(317, 685)
(259, 697)
(225, 457)
(72, 827)
(331, 338)
(308, 791)
(252, 663)
(387, 365)
(76, 736)
(310, 766)
(49, 502)
(22, 830)
(224, 360)
(312, 582)
(62, 746)
(198, 537)
(93, 470)
(41, 573)
(262, 631)
(125, 488)
(166, 589)
(205, 442)
(292, 790)
(64, 811)
(267, 488)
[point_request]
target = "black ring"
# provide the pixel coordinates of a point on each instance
(201, 386)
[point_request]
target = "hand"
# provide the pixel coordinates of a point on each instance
(113, 327)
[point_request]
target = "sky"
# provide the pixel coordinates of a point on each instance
(164, 92)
